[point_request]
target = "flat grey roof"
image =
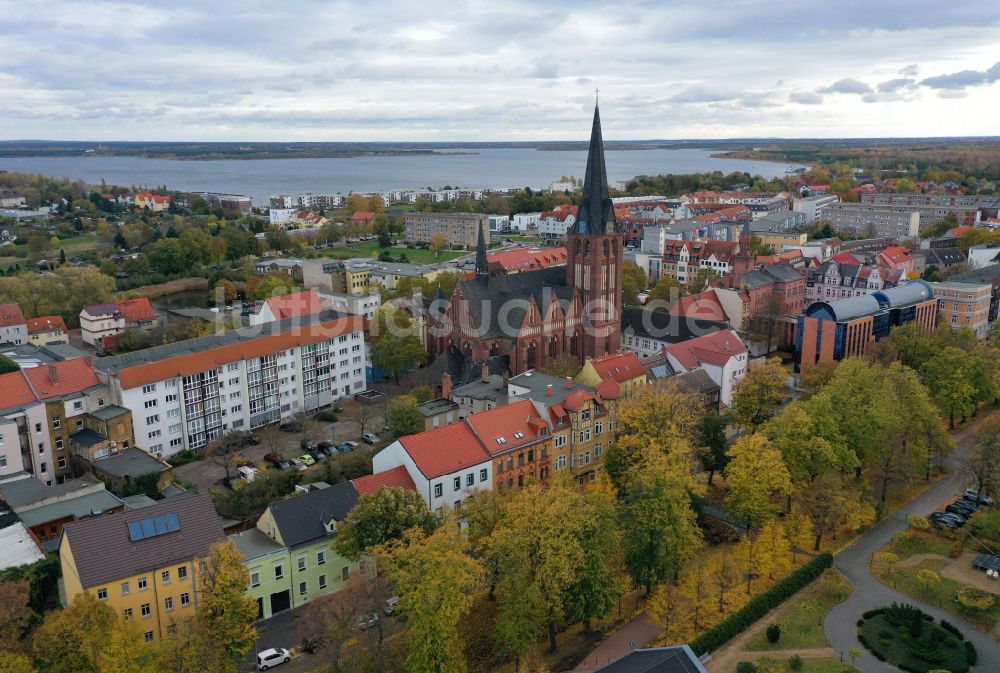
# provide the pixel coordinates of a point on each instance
(131, 462)
(20, 493)
(85, 505)
(108, 411)
(254, 544)
(434, 407)
(538, 383)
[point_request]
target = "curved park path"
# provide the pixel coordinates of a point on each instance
(869, 593)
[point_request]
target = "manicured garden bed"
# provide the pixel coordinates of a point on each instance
(802, 625)
(906, 637)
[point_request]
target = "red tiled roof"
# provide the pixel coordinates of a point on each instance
(505, 423)
(575, 400)
(10, 314)
(62, 378)
(528, 259)
(46, 323)
(958, 231)
(704, 306)
(609, 389)
(621, 367)
(715, 348)
(295, 304)
(14, 390)
(723, 250)
(445, 450)
(363, 216)
(192, 363)
(845, 258)
(136, 310)
(397, 477)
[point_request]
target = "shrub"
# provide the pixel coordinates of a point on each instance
(918, 522)
(928, 578)
(774, 633)
(956, 549)
(760, 604)
(971, 656)
(746, 667)
(860, 623)
(795, 663)
(326, 416)
(872, 613)
(974, 598)
(948, 626)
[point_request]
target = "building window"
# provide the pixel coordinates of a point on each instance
(482, 475)
(142, 583)
(182, 572)
(149, 404)
(598, 449)
(127, 614)
(598, 428)
(185, 600)
(470, 479)
(438, 490)
(279, 572)
(56, 423)
(322, 581)
(62, 462)
(302, 563)
(146, 612)
(148, 636)
(125, 589)
(456, 483)
(345, 573)
(320, 558)
(102, 594)
(44, 468)
(171, 630)
(149, 389)
(255, 579)
(168, 604)
(302, 589)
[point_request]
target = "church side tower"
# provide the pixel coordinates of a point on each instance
(595, 250)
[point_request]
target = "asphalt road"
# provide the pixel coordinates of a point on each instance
(869, 593)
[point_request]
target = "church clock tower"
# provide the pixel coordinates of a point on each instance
(594, 261)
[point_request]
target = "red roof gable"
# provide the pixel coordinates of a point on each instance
(845, 258)
(397, 477)
(715, 348)
(575, 400)
(295, 304)
(621, 367)
(10, 314)
(62, 378)
(528, 259)
(498, 429)
(609, 389)
(14, 390)
(136, 310)
(46, 323)
(445, 450)
(704, 306)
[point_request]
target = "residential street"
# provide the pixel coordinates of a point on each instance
(869, 593)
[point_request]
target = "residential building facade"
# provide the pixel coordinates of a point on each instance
(458, 229)
(964, 305)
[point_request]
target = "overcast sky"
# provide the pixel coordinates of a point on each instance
(496, 70)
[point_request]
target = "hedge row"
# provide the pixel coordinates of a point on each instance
(971, 656)
(948, 626)
(759, 605)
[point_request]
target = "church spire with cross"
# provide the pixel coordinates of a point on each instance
(482, 265)
(596, 215)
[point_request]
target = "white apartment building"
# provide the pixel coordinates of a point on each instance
(813, 206)
(525, 221)
(13, 326)
(281, 215)
(185, 394)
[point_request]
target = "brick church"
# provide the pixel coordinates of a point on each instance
(531, 319)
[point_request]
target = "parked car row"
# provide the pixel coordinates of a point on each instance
(957, 513)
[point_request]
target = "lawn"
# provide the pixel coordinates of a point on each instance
(940, 594)
(523, 239)
(903, 637)
(919, 542)
(802, 625)
(809, 665)
(370, 249)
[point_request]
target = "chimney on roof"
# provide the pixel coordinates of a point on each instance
(446, 386)
(485, 371)
(53, 374)
(569, 381)
(548, 390)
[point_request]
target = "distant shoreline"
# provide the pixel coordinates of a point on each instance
(236, 156)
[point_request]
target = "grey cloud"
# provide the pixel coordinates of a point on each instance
(909, 71)
(847, 85)
(896, 85)
(963, 78)
(805, 98)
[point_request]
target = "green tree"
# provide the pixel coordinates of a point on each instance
(438, 244)
(634, 281)
(661, 529)
(70, 641)
(437, 580)
(404, 419)
(947, 376)
(7, 365)
(273, 286)
(225, 612)
(380, 518)
(12, 662)
(832, 506)
(983, 461)
(759, 394)
(712, 443)
(809, 440)
(664, 293)
(755, 476)
(394, 345)
(597, 587)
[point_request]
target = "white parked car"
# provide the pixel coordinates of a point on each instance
(272, 657)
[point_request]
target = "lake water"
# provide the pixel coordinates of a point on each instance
(500, 167)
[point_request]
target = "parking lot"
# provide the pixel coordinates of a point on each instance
(210, 472)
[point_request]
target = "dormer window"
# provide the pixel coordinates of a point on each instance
(501, 440)
(331, 526)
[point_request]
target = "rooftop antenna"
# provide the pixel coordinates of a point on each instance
(597, 91)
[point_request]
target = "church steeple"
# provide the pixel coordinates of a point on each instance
(482, 266)
(596, 215)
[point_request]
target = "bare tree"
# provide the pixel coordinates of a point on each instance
(982, 464)
(363, 414)
(270, 436)
(226, 449)
(308, 426)
(331, 620)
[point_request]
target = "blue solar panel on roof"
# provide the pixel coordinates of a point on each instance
(135, 531)
(173, 523)
(161, 524)
(148, 528)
